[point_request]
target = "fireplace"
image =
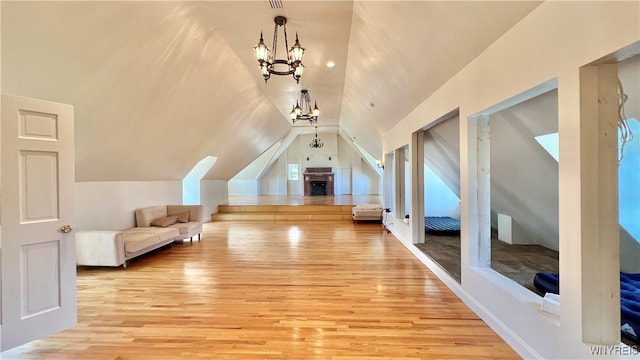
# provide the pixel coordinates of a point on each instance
(318, 188)
(318, 181)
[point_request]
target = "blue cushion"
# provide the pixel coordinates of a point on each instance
(547, 282)
(629, 298)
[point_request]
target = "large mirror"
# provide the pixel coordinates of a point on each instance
(524, 189)
(441, 199)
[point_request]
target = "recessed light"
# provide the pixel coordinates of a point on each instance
(330, 64)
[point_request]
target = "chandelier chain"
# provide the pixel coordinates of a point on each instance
(275, 44)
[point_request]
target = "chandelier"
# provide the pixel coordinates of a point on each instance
(316, 143)
(302, 109)
(268, 61)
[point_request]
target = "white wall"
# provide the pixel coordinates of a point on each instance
(243, 187)
(212, 194)
(245, 182)
(110, 205)
(0, 187)
(317, 157)
(369, 179)
(440, 200)
(553, 41)
(335, 154)
(442, 169)
(274, 180)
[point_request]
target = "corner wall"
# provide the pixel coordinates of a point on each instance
(212, 194)
(553, 41)
(110, 205)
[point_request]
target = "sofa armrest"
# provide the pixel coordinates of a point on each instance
(100, 248)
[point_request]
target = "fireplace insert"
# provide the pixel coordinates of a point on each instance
(318, 188)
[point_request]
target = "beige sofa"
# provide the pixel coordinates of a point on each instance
(187, 229)
(156, 227)
(368, 212)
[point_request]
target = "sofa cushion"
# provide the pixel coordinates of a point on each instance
(369, 206)
(375, 213)
(164, 221)
(183, 217)
(367, 212)
(136, 239)
(144, 216)
(186, 228)
(195, 211)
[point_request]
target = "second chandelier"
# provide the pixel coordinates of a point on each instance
(302, 109)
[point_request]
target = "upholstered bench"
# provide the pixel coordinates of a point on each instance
(370, 212)
(115, 248)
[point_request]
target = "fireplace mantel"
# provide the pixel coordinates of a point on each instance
(318, 175)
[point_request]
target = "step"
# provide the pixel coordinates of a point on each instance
(282, 212)
(345, 209)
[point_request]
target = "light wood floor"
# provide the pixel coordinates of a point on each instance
(271, 290)
(519, 263)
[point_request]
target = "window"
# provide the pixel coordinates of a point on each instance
(292, 174)
(551, 143)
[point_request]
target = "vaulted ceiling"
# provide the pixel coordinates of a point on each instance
(158, 86)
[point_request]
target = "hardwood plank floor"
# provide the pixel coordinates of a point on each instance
(271, 290)
(519, 263)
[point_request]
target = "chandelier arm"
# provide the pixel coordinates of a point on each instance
(286, 46)
(277, 72)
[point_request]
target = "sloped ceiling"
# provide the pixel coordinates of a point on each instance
(442, 152)
(158, 86)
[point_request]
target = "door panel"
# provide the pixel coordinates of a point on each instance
(40, 285)
(38, 186)
(38, 258)
(345, 180)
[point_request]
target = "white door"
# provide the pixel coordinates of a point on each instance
(38, 249)
(345, 180)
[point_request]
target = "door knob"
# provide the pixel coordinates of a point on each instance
(65, 229)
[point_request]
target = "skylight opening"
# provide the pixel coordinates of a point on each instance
(628, 180)
(551, 144)
(628, 176)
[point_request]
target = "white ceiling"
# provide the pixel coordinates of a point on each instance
(157, 86)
